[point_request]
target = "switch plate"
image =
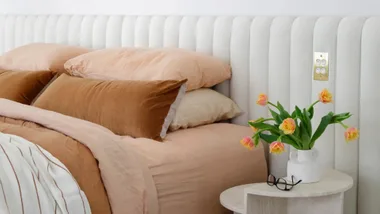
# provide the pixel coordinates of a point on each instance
(321, 66)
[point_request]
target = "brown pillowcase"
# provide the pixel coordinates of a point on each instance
(23, 87)
(134, 108)
(40, 57)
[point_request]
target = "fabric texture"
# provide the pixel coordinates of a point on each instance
(126, 179)
(201, 70)
(184, 174)
(193, 166)
(44, 185)
(134, 108)
(203, 106)
(40, 56)
(23, 87)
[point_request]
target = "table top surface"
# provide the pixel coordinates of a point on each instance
(333, 182)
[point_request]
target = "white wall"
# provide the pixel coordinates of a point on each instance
(193, 7)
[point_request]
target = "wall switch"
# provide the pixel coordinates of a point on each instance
(321, 66)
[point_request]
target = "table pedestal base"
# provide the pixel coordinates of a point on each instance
(331, 204)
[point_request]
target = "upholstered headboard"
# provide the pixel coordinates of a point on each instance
(268, 54)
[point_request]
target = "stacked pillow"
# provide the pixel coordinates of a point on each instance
(25, 71)
(132, 91)
(40, 57)
(201, 105)
(200, 70)
(134, 108)
(23, 87)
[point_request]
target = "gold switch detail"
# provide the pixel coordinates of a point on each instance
(321, 66)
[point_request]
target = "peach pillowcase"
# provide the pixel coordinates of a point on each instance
(199, 69)
(40, 57)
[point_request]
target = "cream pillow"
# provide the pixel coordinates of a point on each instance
(40, 57)
(203, 106)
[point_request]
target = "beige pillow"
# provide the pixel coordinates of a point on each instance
(200, 70)
(40, 56)
(203, 106)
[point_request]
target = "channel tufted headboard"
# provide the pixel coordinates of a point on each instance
(268, 54)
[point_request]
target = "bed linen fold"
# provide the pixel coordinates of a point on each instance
(192, 167)
(126, 177)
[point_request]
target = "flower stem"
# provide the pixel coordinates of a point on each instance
(312, 105)
(345, 126)
(267, 119)
(272, 105)
(279, 138)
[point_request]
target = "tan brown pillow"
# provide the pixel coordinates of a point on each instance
(23, 87)
(201, 70)
(40, 57)
(134, 108)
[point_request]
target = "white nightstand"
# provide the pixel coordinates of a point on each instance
(325, 196)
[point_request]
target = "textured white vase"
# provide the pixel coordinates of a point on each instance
(303, 165)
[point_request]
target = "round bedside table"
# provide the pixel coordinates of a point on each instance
(233, 198)
(326, 196)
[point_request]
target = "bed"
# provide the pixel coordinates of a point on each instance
(267, 54)
(186, 172)
(119, 130)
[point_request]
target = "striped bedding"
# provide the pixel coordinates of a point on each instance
(33, 181)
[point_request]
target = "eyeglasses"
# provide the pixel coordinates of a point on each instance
(281, 183)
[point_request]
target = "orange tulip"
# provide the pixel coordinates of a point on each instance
(288, 126)
(351, 134)
(262, 100)
(247, 143)
(277, 147)
(325, 96)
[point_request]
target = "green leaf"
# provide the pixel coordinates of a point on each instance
(299, 113)
(325, 121)
(311, 112)
(284, 114)
(297, 131)
(268, 138)
(262, 125)
(291, 141)
(276, 117)
(294, 115)
(340, 117)
(307, 121)
(257, 138)
(305, 137)
(296, 139)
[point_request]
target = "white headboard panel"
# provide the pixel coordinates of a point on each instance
(268, 54)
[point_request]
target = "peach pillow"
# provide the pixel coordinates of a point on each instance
(40, 56)
(199, 69)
